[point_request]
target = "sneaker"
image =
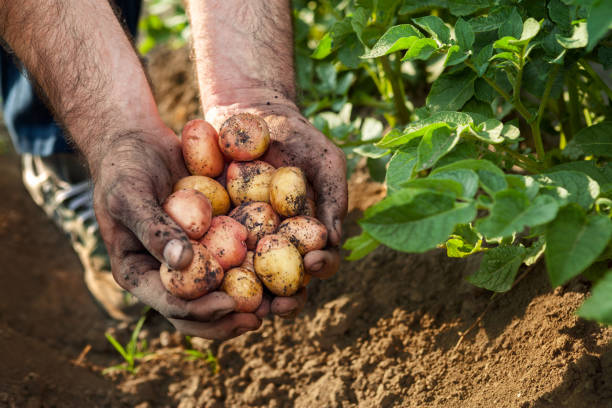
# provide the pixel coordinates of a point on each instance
(60, 186)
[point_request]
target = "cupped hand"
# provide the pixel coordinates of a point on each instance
(295, 142)
(132, 177)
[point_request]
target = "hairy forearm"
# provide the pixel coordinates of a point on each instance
(84, 64)
(243, 50)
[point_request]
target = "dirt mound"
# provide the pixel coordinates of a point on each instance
(384, 332)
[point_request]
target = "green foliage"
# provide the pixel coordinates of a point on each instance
(133, 351)
(164, 21)
(497, 127)
(208, 357)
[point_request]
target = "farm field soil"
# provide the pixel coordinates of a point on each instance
(382, 333)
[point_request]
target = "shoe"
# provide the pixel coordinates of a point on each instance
(60, 186)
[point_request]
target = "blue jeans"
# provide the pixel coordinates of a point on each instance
(29, 122)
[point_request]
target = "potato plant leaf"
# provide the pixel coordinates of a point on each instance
(435, 27)
(498, 268)
(400, 37)
(573, 187)
(594, 140)
(360, 246)
(451, 91)
(465, 34)
(599, 305)
(434, 145)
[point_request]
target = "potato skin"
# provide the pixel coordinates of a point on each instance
(249, 181)
(200, 149)
(191, 210)
(225, 239)
(244, 137)
(201, 276)
(279, 265)
(244, 287)
(216, 194)
(305, 233)
(288, 191)
(258, 218)
(248, 261)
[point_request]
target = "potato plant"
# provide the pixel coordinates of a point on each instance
(499, 132)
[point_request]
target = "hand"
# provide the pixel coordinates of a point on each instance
(132, 176)
(295, 142)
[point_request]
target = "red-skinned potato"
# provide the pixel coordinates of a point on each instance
(200, 149)
(244, 137)
(203, 275)
(258, 218)
(305, 233)
(225, 239)
(216, 194)
(244, 287)
(278, 264)
(288, 191)
(191, 210)
(249, 181)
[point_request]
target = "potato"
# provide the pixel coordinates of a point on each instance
(201, 276)
(244, 137)
(248, 261)
(279, 265)
(191, 210)
(225, 239)
(305, 233)
(200, 149)
(288, 191)
(244, 287)
(258, 218)
(310, 209)
(216, 194)
(249, 181)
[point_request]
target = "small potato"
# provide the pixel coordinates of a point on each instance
(288, 191)
(279, 265)
(249, 181)
(200, 149)
(248, 261)
(201, 276)
(225, 239)
(244, 287)
(216, 194)
(191, 210)
(305, 233)
(258, 218)
(244, 137)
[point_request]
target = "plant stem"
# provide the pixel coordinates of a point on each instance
(535, 125)
(516, 92)
(524, 161)
(600, 84)
(400, 106)
(574, 116)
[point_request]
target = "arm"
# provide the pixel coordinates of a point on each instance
(84, 64)
(244, 62)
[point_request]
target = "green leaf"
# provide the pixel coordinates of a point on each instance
(594, 140)
(483, 91)
(535, 252)
(510, 132)
(524, 184)
(360, 246)
(513, 26)
(467, 7)
(560, 14)
(507, 43)
(464, 33)
(435, 144)
(575, 187)
(351, 51)
(451, 91)
(467, 178)
(599, 21)
(435, 27)
(579, 38)
(371, 151)
(415, 220)
(471, 164)
(481, 61)
(507, 56)
(437, 185)
(493, 20)
(421, 49)
(498, 268)
(400, 37)
(377, 168)
(573, 242)
(401, 166)
(531, 28)
(489, 131)
(599, 305)
(512, 212)
(492, 182)
(602, 175)
(455, 55)
(359, 23)
(324, 48)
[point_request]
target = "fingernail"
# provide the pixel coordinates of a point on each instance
(221, 313)
(173, 251)
(316, 267)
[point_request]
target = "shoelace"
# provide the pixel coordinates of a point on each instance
(79, 198)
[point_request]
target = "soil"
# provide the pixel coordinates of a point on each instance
(386, 331)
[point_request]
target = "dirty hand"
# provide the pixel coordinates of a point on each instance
(295, 142)
(132, 176)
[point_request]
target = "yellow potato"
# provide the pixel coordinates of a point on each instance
(258, 218)
(279, 265)
(249, 181)
(288, 192)
(211, 188)
(306, 233)
(201, 276)
(244, 287)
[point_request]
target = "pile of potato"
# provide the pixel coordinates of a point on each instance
(250, 245)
